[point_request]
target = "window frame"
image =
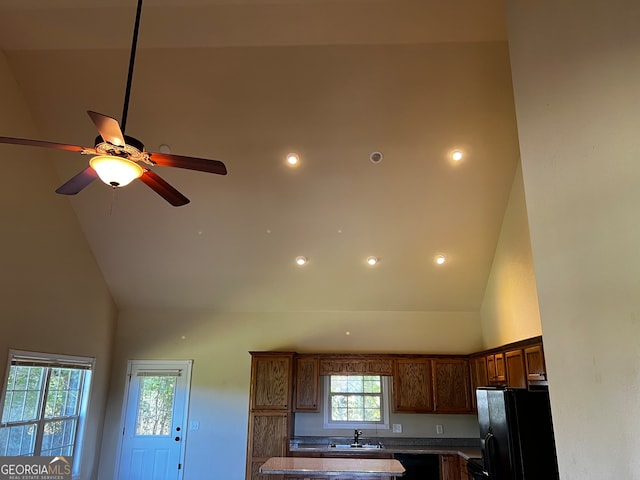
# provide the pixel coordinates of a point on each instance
(51, 361)
(383, 424)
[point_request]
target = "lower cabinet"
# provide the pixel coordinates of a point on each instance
(449, 467)
(314, 477)
(464, 472)
(268, 437)
(419, 466)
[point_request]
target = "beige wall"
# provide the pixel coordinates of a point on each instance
(52, 295)
(576, 73)
(219, 344)
(510, 306)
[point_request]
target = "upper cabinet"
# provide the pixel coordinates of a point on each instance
(307, 391)
(451, 385)
(496, 370)
(412, 385)
(271, 381)
(535, 367)
(431, 385)
(514, 363)
(479, 376)
(518, 365)
(356, 365)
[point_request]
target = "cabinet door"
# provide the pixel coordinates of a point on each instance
(535, 367)
(496, 369)
(479, 377)
(271, 381)
(464, 472)
(501, 371)
(412, 385)
(514, 362)
(451, 385)
(449, 467)
(307, 385)
(268, 437)
(356, 365)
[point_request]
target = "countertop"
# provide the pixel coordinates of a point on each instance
(333, 466)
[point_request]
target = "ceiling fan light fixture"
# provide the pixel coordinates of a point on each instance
(115, 171)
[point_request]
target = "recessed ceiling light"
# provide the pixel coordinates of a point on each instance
(372, 260)
(301, 260)
(456, 155)
(293, 159)
(376, 157)
(440, 259)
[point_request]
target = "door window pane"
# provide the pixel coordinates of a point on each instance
(155, 405)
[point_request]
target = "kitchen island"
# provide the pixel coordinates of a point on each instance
(349, 467)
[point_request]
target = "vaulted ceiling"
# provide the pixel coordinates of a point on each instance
(247, 82)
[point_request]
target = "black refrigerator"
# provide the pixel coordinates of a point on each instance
(516, 434)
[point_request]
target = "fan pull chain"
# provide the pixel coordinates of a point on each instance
(114, 199)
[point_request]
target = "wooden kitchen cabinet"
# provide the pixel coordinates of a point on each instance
(464, 471)
(451, 386)
(270, 407)
(514, 363)
(412, 385)
(356, 365)
(271, 381)
(479, 377)
(307, 384)
(535, 368)
(268, 437)
(449, 467)
(496, 369)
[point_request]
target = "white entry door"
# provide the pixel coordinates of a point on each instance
(154, 420)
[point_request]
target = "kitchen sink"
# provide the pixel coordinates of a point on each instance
(359, 445)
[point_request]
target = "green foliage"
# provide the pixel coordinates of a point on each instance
(23, 403)
(155, 405)
(356, 398)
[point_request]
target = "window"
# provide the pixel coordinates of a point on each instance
(44, 404)
(356, 401)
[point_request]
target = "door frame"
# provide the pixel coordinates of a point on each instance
(187, 365)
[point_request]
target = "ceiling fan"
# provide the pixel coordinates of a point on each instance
(120, 159)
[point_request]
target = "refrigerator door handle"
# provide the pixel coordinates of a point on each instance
(489, 442)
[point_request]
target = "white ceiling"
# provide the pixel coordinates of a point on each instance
(247, 82)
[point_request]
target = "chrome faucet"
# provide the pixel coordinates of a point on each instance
(356, 436)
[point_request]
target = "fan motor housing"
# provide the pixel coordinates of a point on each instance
(131, 141)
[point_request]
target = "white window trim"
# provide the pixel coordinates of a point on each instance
(382, 425)
(84, 406)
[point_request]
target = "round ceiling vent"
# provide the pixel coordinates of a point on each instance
(376, 157)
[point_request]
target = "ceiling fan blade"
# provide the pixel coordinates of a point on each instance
(190, 163)
(78, 182)
(108, 127)
(40, 143)
(162, 188)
